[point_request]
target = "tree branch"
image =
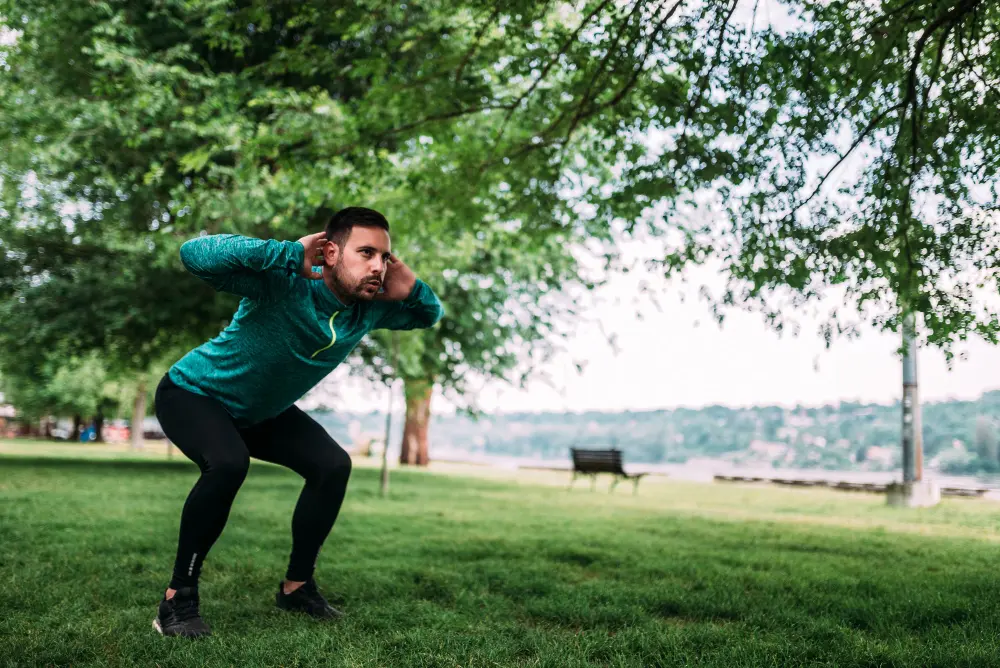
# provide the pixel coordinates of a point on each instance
(582, 111)
(640, 68)
(446, 116)
(548, 67)
(703, 79)
(867, 82)
(964, 50)
(857, 142)
(423, 121)
(475, 43)
(885, 17)
(936, 69)
(528, 148)
(912, 98)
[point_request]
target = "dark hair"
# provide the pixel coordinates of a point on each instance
(340, 224)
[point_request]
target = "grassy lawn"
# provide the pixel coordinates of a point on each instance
(497, 569)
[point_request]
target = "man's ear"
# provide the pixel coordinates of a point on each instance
(331, 253)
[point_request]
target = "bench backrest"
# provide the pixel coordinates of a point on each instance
(597, 461)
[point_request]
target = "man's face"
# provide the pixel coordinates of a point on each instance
(358, 269)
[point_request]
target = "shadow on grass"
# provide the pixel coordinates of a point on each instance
(257, 468)
(84, 465)
(81, 464)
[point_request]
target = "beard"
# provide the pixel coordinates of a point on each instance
(354, 287)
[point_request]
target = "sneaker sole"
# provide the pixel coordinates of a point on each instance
(156, 625)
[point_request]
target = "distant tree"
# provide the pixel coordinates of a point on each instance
(986, 440)
(64, 387)
(111, 306)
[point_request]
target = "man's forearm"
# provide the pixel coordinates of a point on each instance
(227, 261)
(221, 253)
(424, 305)
(419, 310)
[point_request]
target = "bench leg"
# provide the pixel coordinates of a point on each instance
(635, 486)
(613, 484)
(593, 482)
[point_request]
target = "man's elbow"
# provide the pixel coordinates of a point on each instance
(189, 254)
(434, 316)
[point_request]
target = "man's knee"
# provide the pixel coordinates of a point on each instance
(336, 466)
(231, 469)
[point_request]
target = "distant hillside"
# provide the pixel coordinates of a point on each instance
(959, 436)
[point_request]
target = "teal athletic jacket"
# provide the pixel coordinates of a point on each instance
(289, 331)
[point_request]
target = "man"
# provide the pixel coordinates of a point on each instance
(233, 398)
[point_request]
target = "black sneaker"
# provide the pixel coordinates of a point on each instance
(306, 599)
(179, 616)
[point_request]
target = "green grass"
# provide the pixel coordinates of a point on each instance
(503, 571)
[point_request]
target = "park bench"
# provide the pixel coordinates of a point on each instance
(592, 462)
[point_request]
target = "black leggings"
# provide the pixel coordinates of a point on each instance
(203, 430)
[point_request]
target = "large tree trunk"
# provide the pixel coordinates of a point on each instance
(77, 424)
(99, 426)
(418, 417)
(139, 414)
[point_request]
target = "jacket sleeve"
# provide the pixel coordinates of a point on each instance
(254, 268)
(422, 309)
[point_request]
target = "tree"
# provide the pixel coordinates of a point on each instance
(94, 313)
(170, 118)
(872, 129)
(201, 116)
(83, 388)
(986, 441)
(79, 387)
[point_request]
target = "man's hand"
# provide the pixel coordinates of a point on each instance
(399, 281)
(313, 243)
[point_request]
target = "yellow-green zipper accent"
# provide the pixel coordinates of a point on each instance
(333, 339)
